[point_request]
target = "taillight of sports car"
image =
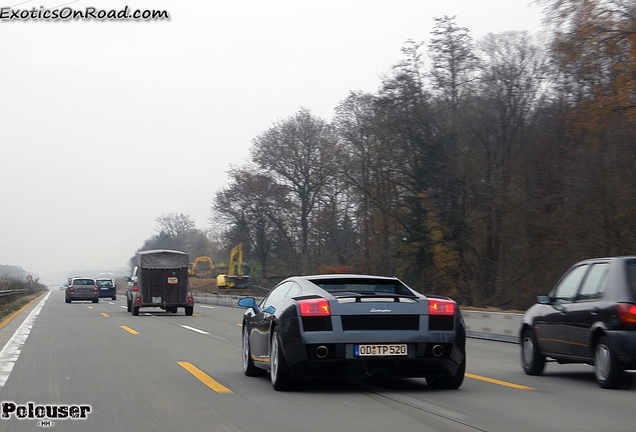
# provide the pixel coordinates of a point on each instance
(441, 314)
(627, 313)
(314, 307)
(441, 307)
(315, 314)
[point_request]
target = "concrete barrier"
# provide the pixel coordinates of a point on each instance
(499, 326)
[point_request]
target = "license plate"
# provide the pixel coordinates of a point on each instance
(173, 280)
(156, 299)
(380, 350)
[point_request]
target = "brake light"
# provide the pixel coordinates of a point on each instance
(627, 313)
(314, 307)
(190, 301)
(441, 307)
(135, 287)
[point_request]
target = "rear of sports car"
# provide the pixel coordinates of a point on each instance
(390, 335)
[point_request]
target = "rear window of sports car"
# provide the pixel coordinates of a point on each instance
(363, 287)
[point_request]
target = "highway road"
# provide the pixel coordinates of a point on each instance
(170, 372)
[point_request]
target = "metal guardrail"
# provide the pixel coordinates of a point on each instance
(4, 293)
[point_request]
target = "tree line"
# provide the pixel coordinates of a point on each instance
(478, 169)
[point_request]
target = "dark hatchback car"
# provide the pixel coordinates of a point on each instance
(589, 317)
(80, 288)
(352, 325)
(107, 288)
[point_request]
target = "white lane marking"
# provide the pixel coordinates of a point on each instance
(11, 351)
(194, 329)
(206, 307)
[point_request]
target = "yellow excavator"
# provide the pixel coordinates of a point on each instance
(238, 271)
(192, 270)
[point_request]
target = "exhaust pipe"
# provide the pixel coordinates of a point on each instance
(437, 350)
(322, 352)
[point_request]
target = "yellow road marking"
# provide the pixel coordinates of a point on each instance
(129, 330)
(498, 382)
(196, 315)
(90, 307)
(104, 314)
(204, 378)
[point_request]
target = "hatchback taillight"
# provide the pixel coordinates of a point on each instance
(627, 313)
(441, 307)
(314, 307)
(135, 287)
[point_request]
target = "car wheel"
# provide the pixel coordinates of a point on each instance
(279, 371)
(189, 310)
(68, 300)
(113, 298)
(95, 300)
(135, 311)
(128, 304)
(607, 368)
(452, 382)
(248, 364)
(532, 360)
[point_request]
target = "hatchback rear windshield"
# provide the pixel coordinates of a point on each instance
(363, 287)
(104, 283)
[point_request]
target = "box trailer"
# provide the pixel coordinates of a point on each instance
(160, 279)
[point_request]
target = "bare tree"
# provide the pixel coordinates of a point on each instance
(300, 153)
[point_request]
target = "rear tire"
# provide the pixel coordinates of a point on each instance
(248, 364)
(608, 369)
(189, 310)
(68, 300)
(128, 304)
(532, 361)
(279, 371)
(95, 300)
(135, 311)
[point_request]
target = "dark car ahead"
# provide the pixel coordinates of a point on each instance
(589, 317)
(107, 288)
(80, 288)
(346, 325)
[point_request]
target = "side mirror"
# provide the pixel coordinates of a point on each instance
(127, 278)
(544, 299)
(249, 302)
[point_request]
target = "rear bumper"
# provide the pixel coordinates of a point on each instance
(378, 366)
(81, 296)
(107, 293)
(424, 359)
(624, 344)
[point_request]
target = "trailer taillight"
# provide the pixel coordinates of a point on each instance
(190, 301)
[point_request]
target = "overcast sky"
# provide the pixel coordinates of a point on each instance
(106, 125)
